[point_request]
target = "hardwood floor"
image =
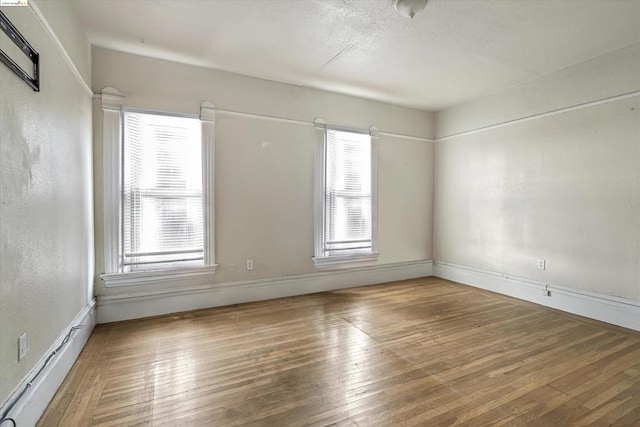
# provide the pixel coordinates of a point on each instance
(418, 352)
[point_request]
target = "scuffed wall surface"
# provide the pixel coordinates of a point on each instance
(46, 233)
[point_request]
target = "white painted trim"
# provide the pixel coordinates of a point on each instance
(34, 402)
(299, 122)
(314, 123)
(112, 101)
(111, 98)
(151, 303)
(56, 41)
(208, 123)
(160, 112)
(318, 186)
(320, 140)
(414, 138)
(156, 276)
(345, 259)
(545, 114)
(374, 134)
(264, 117)
(609, 309)
(112, 106)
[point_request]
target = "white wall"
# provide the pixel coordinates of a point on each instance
(264, 168)
(62, 17)
(602, 77)
(46, 219)
(562, 187)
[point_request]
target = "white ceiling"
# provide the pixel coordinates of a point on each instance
(454, 51)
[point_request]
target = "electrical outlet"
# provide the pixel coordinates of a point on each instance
(542, 264)
(546, 292)
(22, 346)
(249, 264)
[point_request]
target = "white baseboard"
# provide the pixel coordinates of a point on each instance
(34, 402)
(27, 411)
(137, 305)
(609, 309)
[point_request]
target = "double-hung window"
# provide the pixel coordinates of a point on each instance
(345, 196)
(157, 193)
(162, 204)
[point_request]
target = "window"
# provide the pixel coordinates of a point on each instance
(161, 209)
(158, 193)
(345, 197)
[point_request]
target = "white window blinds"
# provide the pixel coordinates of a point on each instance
(347, 204)
(162, 191)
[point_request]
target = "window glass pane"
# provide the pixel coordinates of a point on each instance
(162, 190)
(347, 220)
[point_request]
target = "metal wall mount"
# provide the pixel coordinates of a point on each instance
(26, 49)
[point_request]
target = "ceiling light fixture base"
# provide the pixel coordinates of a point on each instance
(409, 8)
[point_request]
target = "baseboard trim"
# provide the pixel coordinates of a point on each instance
(34, 402)
(152, 303)
(609, 309)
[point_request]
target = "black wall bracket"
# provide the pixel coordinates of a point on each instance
(26, 48)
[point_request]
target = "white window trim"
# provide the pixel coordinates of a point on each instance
(112, 106)
(153, 276)
(208, 120)
(319, 259)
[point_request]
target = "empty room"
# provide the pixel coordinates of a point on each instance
(319, 212)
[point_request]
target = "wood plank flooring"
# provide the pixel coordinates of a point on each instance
(417, 352)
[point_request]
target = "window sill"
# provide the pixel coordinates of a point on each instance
(148, 277)
(346, 259)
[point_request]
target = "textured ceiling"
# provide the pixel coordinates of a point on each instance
(454, 51)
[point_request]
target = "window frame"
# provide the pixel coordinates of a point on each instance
(320, 258)
(167, 265)
(112, 162)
